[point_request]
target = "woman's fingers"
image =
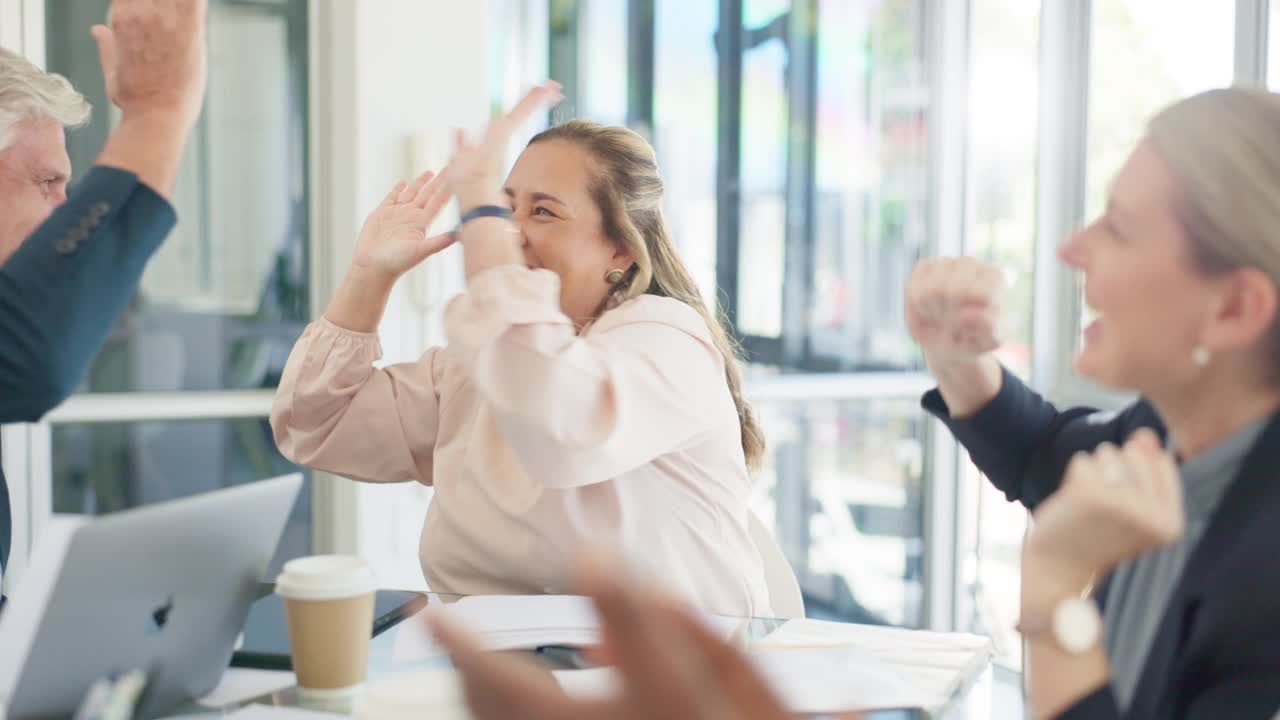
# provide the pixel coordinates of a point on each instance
(412, 190)
(394, 195)
(1111, 466)
(544, 95)
(433, 194)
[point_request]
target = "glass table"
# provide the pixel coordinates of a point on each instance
(972, 699)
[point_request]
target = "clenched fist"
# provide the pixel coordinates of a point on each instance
(953, 309)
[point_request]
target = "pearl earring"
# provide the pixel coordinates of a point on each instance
(1200, 356)
(613, 277)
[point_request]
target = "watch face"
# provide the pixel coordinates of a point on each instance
(1077, 626)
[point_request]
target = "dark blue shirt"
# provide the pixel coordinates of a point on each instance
(63, 290)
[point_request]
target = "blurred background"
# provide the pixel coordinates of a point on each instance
(813, 150)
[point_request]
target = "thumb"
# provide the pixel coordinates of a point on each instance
(434, 244)
(106, 40)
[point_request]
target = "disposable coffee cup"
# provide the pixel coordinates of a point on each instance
(432, 694)
(328, 601)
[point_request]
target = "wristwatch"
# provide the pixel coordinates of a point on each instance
(1075, 625)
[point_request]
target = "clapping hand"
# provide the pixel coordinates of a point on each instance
(475, 172)
(394, 238)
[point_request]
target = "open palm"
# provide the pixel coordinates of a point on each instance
(394, 237)
(477, 166)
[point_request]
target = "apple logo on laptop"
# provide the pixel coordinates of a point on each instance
(160, 616)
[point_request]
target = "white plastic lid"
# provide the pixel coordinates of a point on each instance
(435, 693)
(325, 577)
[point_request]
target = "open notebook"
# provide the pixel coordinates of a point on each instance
(814, 666)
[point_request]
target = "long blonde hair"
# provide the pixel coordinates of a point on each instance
(1223, 148)
(628, 191)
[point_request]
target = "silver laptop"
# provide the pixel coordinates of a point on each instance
(164, 589)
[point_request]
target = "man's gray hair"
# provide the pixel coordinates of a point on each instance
(29, 93)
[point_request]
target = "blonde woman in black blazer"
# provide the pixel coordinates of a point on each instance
(1167, 514)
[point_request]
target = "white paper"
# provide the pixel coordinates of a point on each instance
(514, 622)
(811, 680)
(242, 684)
(590, 683)
(836, 679)
(815, 666)
(929, 667)
(508, 622)
(277, 712)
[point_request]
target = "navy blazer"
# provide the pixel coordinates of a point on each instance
(1216, 652)
(64, 288)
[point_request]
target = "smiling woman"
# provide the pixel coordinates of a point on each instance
(1163, 511)
(550, 193)
(586, 395)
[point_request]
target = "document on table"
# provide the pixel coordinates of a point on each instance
(277, 712)
(814, 666)
(881, 667)
(243, 684)
(508, 622)
(828, 667)
(512, 622)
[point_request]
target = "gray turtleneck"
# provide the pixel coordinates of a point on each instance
(1140, 590)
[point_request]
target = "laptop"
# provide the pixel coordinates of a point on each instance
(164, 589)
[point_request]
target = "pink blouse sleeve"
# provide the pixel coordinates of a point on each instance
(580, 410)
(335, 411)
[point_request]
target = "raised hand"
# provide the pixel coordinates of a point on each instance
(154, 58)
(394, 237)
(953, 308)
(476, 168)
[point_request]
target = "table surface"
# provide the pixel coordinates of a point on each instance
(973, 699)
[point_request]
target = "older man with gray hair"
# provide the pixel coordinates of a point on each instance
(71, 260)
(35, 106)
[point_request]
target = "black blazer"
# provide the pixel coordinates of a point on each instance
(64, 288)
(1216, 652)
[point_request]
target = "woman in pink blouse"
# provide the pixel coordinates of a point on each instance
(586, 394)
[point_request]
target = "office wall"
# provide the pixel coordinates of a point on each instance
(394, 77)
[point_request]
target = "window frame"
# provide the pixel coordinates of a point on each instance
(28, 452)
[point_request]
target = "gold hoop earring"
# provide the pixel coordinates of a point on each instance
(613, 277)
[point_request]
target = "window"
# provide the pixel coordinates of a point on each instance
(843, 485)
(870, 203)
(684, 109)
(792, 136)
(1004, 90)
(101, 468)
(829, 187)
(1273, 48)
(223, 300)
(1139, 62)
